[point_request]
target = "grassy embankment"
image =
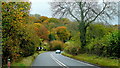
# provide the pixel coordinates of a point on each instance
(27, 61)
(93, 59)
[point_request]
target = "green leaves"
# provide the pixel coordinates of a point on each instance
(61, 33)
(106, 46)
(72, 48)
(15, 30)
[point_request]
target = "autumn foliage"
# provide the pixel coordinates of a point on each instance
(22, 34)
(61, 33)
(41, 19)
(56, 44)
(41, 31)
(19, 38)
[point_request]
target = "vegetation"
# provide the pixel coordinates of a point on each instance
(23, 33)
(85, 13)
(61, 33)
(17, 40)
(94, 59)
(55, 44)
(105, 46)
(72, 48)
(27, 61)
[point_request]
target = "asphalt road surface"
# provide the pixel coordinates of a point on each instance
(52, 60)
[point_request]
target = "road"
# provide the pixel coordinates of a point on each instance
(50, 59)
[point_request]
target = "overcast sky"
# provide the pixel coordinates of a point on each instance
(43, 8)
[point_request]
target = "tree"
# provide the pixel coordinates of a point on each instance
(52, 23)
(61, 33)
(15, 33)
(65, 21)
(28, 40)
(97, 31)
(41, 19)
(41, 31)
(56, 45)
(35, 15)
(84, 13)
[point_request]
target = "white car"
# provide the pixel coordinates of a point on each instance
(57, 51)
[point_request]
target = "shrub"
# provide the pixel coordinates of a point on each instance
(56, 45)
(96, 31)
(113, 48)
(45, 46)
(97, 46)
(28, 40)
(107, 46)
(72, 48)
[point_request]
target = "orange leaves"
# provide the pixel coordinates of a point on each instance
(36, 29)
(14, 16)
(56, 44)
(61, 27)
(41, 31)
(46, 21)
(61, 33)
(42, 19)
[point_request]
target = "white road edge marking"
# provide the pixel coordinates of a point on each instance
(58, 62)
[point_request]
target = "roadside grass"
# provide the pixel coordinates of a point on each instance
(27, 61)
(93, 59)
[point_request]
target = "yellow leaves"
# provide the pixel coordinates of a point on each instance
(48, 32)
(21, 13)
(15, 29)
(46, 21)
(11, 6)
(37, 24)
(42, 19)
(41, 31)
(21, 21)
(21, 8)
(14, 21)
(61, 33)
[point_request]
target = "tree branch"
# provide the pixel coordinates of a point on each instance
(96, 16)
(73, 15)
(87, 12)
(82, 12)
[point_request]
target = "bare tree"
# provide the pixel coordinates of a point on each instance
(84, 13)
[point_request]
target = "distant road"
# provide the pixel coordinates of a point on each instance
(52, 60)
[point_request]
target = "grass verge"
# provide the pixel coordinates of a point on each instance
(93, 59)
(27, 61)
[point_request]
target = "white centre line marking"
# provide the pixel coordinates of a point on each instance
(58, 62)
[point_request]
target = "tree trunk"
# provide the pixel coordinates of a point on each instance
(82, 29)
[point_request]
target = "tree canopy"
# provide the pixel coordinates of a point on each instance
(84, 13)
